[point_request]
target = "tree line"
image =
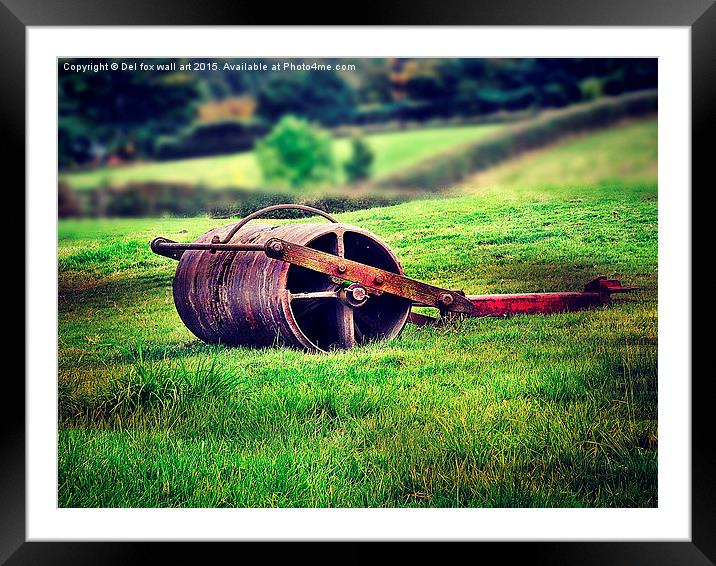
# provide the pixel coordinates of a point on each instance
(129, 115)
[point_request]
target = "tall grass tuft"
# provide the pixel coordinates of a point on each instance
(148, 386)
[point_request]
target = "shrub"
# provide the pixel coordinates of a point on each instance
(296, 154)
(213, 138)
(378, 113)
(614, 84)
(360, 163)
(519, 99)
(555, 95)
(68, 204)
(591, 88)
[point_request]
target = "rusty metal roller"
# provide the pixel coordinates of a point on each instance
(324, 286)
(246, 298)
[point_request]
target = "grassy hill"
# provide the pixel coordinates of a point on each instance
(627, 152)
(393, 151)
(556, 410)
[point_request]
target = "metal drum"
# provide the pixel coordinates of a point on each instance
(246, 298)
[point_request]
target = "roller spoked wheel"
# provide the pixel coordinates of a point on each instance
(335, 314)
(246, 298)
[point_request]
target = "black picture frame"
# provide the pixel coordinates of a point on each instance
(699, 15)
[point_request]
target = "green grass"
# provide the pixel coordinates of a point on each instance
(541, 411)
(393, 151)
(624, 153)
(399, 150)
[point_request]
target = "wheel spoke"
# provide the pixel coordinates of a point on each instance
(304, 308)
(365, 319)
(332, 312)
(314, 295)
(358, 333)
(307, 304)
(346, 326)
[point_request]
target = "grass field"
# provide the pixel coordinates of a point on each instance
(627, 152)
(556, 411)
(393, 151)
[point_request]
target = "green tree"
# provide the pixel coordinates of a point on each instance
(360, 163)
(296, 154)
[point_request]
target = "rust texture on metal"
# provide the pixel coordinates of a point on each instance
(241, 297)
(263, 211)
(596, 293)
(369, 276)
(174, 250)
(531, 303)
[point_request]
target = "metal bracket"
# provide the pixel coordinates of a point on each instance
(368, 276)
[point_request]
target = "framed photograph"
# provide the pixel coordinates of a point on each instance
(427, 278)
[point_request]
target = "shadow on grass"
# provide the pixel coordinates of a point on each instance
(111, 291)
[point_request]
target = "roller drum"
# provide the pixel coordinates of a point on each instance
(246, 298)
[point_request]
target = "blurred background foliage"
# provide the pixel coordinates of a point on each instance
(169, 140)
(112, 116)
